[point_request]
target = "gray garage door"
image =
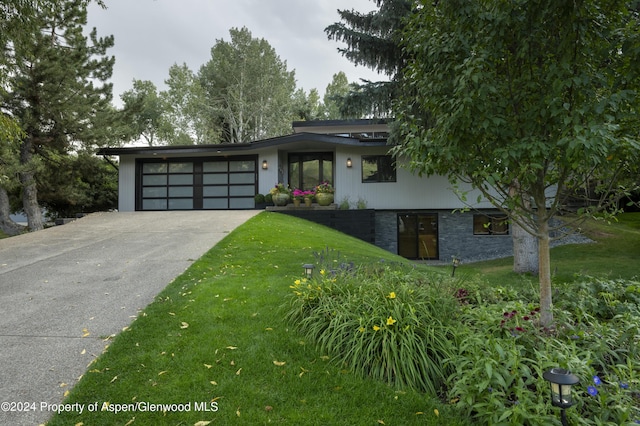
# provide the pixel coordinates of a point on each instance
(196, 184)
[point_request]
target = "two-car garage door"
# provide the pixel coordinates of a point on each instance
(196, 184)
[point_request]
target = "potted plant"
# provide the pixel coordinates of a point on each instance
(308, 197)
(324, 194)
(280, 194)
(298, 196)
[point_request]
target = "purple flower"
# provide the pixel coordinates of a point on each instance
(624, 385)
(592, 390)
(597, 380)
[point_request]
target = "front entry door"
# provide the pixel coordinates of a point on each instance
(418, 235)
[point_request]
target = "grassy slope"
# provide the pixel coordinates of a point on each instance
(216, 333)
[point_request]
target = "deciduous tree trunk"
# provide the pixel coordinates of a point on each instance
(525, 250)
(544, 278)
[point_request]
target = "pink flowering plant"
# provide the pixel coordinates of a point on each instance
(299, 194)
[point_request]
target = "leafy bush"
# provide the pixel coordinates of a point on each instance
(504, 352)
(378, 322)
(480, 347)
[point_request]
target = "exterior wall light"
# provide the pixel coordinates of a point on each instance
(308, 269)
(349, 163)
(265, 165)
(561, 381)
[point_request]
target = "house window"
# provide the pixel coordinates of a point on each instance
(490, 225)
(378, 168)
(307, 170)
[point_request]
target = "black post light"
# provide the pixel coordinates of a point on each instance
(455, 263)
(308, 269)
(561, 381)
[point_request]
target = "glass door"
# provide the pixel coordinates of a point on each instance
(418, 236)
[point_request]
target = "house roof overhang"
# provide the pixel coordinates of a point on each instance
(297, 141)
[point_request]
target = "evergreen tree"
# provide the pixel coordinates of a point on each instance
(373, 40)
(56, 88)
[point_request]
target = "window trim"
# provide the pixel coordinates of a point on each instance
(378, 158)
(322, 156)
(491, 222)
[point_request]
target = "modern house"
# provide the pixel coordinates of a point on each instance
(416, 217)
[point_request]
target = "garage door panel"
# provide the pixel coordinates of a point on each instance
(215, 203)
(240, 191)
(181, 191)
(242, 178)
(215, 191)
(180, 204)
(219, 179)
(241, 203)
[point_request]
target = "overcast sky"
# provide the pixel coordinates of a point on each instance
(152, 35)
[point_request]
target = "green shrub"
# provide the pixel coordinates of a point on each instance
(378, 322)
(504, 352)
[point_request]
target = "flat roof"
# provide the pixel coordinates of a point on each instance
(239, 147)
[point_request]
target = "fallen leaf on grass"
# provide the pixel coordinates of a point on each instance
(201, 423)
(114, 379)
(184, 325)
(130, 422)
(214, 383)
(232, 347)
(238, 372)
(161, 373)
(279, 363)
(85, 332)
(208, 366)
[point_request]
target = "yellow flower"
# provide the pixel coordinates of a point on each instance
(322, 272)
(376, 328)
(361, 329)
(392, 295)
(297, 282)
(436, 412)
(391, 321)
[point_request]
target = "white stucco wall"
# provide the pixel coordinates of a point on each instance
(408, 192)
(126, 184)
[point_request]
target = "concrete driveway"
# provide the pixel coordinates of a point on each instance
(64, 289)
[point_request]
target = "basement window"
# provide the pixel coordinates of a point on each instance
(490, 225)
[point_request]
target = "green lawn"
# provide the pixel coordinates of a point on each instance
(217, 334)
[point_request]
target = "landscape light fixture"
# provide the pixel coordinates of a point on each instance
(455, 263)
(349, 163)
(308, 269)
(265, 165)
(561, 381)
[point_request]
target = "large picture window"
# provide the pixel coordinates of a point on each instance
(378, 168)
(307, 170)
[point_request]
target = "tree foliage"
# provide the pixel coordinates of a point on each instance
(249, 89)
(373, 40)
(529, 101)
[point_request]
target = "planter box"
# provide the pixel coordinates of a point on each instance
(357, 223)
